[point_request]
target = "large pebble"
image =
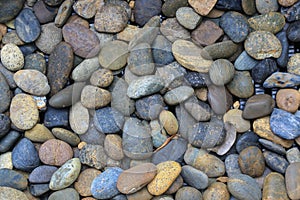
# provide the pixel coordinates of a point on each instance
(276, 162)
(84, 181)
(65, 194)
(216, 191)
(293, 32)
(39, 133)
(42, 174)
(85, 69)
(144, 10)
(262, 22)
(282, 80)
(13, 179)
(93, 156)
(10, 9)
(12, 57)
(187, 17)
(219, 98)
(245, 62)
(273, 147)
(189, 193)
(149, 107)
(56, 117)
(232, 165)
(292, 181)
(241, 84)
(263, 70)
(178, 95)
(172, 30)
(194, 177)
(258, 106)
(43, 12)
(224, 49)
(266, 6)
(288, 100)
(221, 72)
(9, 140)
(12, 194)
(274, 187)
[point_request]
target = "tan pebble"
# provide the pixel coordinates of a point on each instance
(84, 181)
(234, 117)
(274, 187)
(169, 122)
(39, 133)
(203, 7)
(216, 191)
(81, 145)
(11, 57)
(102, 78)
(201, 93)
(288, 100)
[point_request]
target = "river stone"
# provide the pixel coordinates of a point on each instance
(84, 181)
(285, 124)
(65, 175)
(13, 179)
(56, 118)
(32, 81)
(263, 44)
(27, 26)
(293, 66)
(189, 193)
(49, 38)
(276, 162)
(93, 136)
(282, 80)
(43, 12)
(274, 187)
(93, 97)
(221, 72)
(194, 177)
(216, 188)
(288, 100)
(109, 189)
(39, 189)
(287, 3)
(24, 156)
(196, 79)
(35, 61)
(263, 69)
(8, 141)
(242, 186)
(65, 194)
(200, 159)
(273, 146)
(55, 152)
(229, 5)
(224, 49)
(42, 174)
(12, 37)
(102, 78)
(292, 181)
(200, 110)
(63, 13)
(293, 32)
(219, 99)
(12, 57)
(66, 136)
(168, 121)
(79, 118)
(4, 124)
(282, 61)
(232, 165)
(249, 7)
(172, 30)
(149, 107)
(241, 84)
(265, 6)
(187, 17)
(12, 194)
(202, 7)
(85, 69)
(245, 62)
(178, 95)
(59, 66)
(9, 10)
(39, 133)
(235, 25)
(246, 140)
(24, 113)
(262, 22)
(9, 76)
(113, 146)
(53, 2)
(28, 49)
(144, 10)
(234, 117)
(162, 51)
(176, 185)
(170, 7)
(258, 106)
(86, 9)
(93, 156)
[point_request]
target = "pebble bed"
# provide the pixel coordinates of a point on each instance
(140, 99)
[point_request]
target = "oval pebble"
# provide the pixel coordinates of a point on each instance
(194, 177)
(93, 156)
(221, 72)
(13, 179)
(42, 174)
(66, 136)
(79, 118)
(216, 191)
(274, 187)
(178, 95)
(12, 194)
(288, 100)
(102, 78)
(93, 97)
(12, 57)
(84, 181)
(276, 162)
(187, 192)
(66, 194)
(292, 181)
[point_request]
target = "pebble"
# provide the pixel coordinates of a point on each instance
(235, 117)
(293, 155)
(85, 69)
(288, 100)
(113, 146)
(187, 17)
(202, 7)
(108, 120)
(274, 187)
(194, 177)
(243, 186)
(292, 66)
(263, 44)
(287, 3)
(93, 156)
(94, 97)
(200, 159)
(65, 194)
(178, 95)
(66, 136)
(109, 189)
(6, 161)
(292, 181)
(187, 192)
(282, 61)
(169, 8)
(113, 55)
(59, 67)
(149, 107)
(32, 81)
(43, 12)
(65, 175)
(276, 162)
(229, 5)
(27, 26)
(79, 118)
(63, 13)
(282, 80)
(263, 70)
(144, 10)
(249, 7)
(245, 62)
(169, 122)
(285, 124)
(8, 141)
(173, 31)
(272, 146)
(257, 106)
(24, 156)
(262, 22)
(292, 13)
(9, 10)
(221, 72)
(206, 33)
(216, 191)
(102, 78)
(232, 165)
(39, 189)
(49, 38)
(84, 181)
(42, 174)
(241, 85)
(13, 179)
(224, 49)
(135, 178)
(12, 194)
(162, 51)
(4, 124)
(53, 2)
(235, 26)
(265, 6)
(141, 194)
(200, 110)
(196, 79)
(56, 117)
(55, 152)
(12, 57)
(12, 37)
(176, 185)
(8, 75)
(24, 113)
(35, 61)
(86, 9)
(247, 139)
(219, 99)
(167, 172)
(187, 54)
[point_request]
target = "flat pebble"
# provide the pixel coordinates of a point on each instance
(247, 139)
(276, 162)
(149, 107)
(39, 189)
(35, 61)
(292, 181)
(221, 72)
(229, 5)
(202, 7)
(12, 194)
(282, 61)
(12, 57)
(162, 51)
(273, 146)
(258, 106)
(141, 194)
(176, 185)
(188, 192)
(293, 32)
(13, 179)
(8, 141)
(265, 6)
(249, 7)
(262, 22)
(188, 18)
(84, 181)
(144, 10)
(241, 84)
(93, 156)
(219, 99)
(196, 79)
(66, 136)
(263, 70)
(274, 187)
(194, 177)
(172, 30)
(102, 78)
(11, 10)
(293, 155)
(56, 117)
(79, 118)
(178, 95)
(9, 76)
(234, 117)
(43, 12)
(245, 62)
(216, 191)
(12, 37)
(113, 146)
(65, 194)
(86, 9)
(282, 80)
(200, 110)
(85, 69)
(93, 97)
(232, 165)
(292, 66)
(42, 174)
(224, 49)
(169, 122)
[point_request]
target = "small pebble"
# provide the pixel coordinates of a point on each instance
(12, 57)
(12, 194)
(241, 85)
(262, 22)
(188, 193)
(6, 161)
(194, 177)
(42, 174)
(188, 18)
(113, 146)
(221, 72)
(13, 179)
(232, 165)
(276, 162)
(257, 106)
(66, 194)
(178, 95)
(93, 156)
(281, 80)
(216, 191)
(288, 100)
(8, 141)
(272, 146)
(234, 117)
(144, 10)
(293, 155)
(263, 70)
(149, 107)
(84, 181)
(102, 78)
(66, 136)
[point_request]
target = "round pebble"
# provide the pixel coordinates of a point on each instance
(12, 57)
(93, 97)
(265, 6)
(276, 162)
(12, 194)
(66, 194)
(169, 122)
(194, 177)
(84, 181)
(292, 181)
(216, 191)
(274, 187)
(42, 174)
(79, 118)
(241, 85)
(258, 106)
(221, 72)
(262, 22)
(188, 192)
(93, 156)
(113, 146)
(35, 61)
(188, 18)
(288, 100)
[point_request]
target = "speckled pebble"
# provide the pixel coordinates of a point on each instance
(12, 57)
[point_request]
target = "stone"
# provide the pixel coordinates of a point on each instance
(263, 44)
(235, 25)
(63, 13)
(200, 110)
(292, 66)
(264, 6)
(272, 146)
(243, 186)
(85, 69)
(56, 117)
(229, 5)
(141, 194)
(241, 84)
(113, 146)
(93, 136)
(176, 185)
(66, 136)
(234, 117)
(94, 97)
(188, 192)
(9, 10)
(13, 179)
(144, 10)
(292, 181)
(170, 7)
(35, 61)
(216, 188)
(102, 78)
(42, 174)
(12, 37)
(276, 162)
(8, 75)
(169, 122)
(274, 187)
(284, 124)
(24, 113)
(4, 124)
(292, 13)
(43, 12)
(162, 51)
(249, 7)
(287, 3)
(282, 61)
(8, 141)
(167, 172)
(28, 49)
(79, 118)
(196, 79)
(202, 7)
(109, 189)
(224, 49)
(293, 155)
(245, 62)
(262, 22)
(65, 194)
(219, 99)
(84, 181)
(172, 30)
(6, 161)
(206, 33)
(24, 156)
(65, 175)
(187, 17)
(232, 165)
(246, 140)
(39, 189)
(149, 107)
(32, 81)
(53, 2)
(93, 156)
(10, 193)
(288, 100)
(263, 69)
(260, 102)
(221, 72)
(55, 152)
(12, 57)
(86, 9)
(39, 133)
(281, 80)
(178, 95)
(194, 177)
(27, 26)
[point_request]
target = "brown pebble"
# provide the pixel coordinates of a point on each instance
(274, 187)
(84, 181)
(169, 122)
(102, 78)
(39, 133)
(216, 191)
(288, 99)
(292, 180)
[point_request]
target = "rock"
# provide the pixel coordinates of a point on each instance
(246, 140)
(65, 175)
(13, 179)
(224, 49)
(287, 3)
(177, 184)
(66, 194)
(262, 22)
(194, 177)
(149, 107)
(256, 44)
(188, 192)
(263, 70)
(206, 33)
(87, 156)
(282, 80)
(113, 147)
(79, 118)
(102, 78)
(274, 186)
(4, 124)
(28, 49)
(241, 84)
(264, 6)
(10, 193)
(202, 7)
(42, 174)
(56, 117)
(170, 7)
(63, 13)
(243, 186)
(141, 194)
(172, 30)
(39, 133)
(109, 189)
(221, 72)
(272, 146)
(178, 95)
(53, 2)
(32, 82)
(12, 37)
(39, 189)
(216, 188)
(187, 17)
(44, 43)
(93, 136)
(6, 161)
(8, 141)
(292, 181)
(144, 10)
(292, 66)
(24, 112)
(200, 110)
(167, 172)
(84, 181)
(43, 12)
(276, 162)
(229, 5)
(169, 122)
(86, 9)
(260, 102)
(24, 156)
(288, 100)
(27, 26)
(249, 7)
(9, 10)
(12, 57)
(185, 120)
(292, 13)
(94, 97)
(232, 165)
(196, 79)
(35, 61)
(8, 75)
(66, 136)
(282, 61)
(85, 69)
(162, 51)
(234, 117)
(293, 155)
(219, 99)
(245, 62)
(235, 25)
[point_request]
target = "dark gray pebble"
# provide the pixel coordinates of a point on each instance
(282, 80)
(149, 107)
(263, 70)
(56, 117)
(196, 79)
(194, 177)
(292, 13)
(246, 140)
(42, 174)
(5, 94)
(232, 165)
(39, 189)
(145, 10)
(9, 77)
(276, 162)
(282, 61)
(28, 48)
(43, 12)
(162, 51)
(229, 5)
(35, 61)
(293, 32)
(10, 9)
(93, 136)
(7, 142)
(4, 124)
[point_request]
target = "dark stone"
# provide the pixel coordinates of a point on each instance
(93, 156)
(194, 177)
(219, 99)
(282, 80)
(162, 51)
(246, 140)
(4, 124)
(263, 69)
(229, 5)
(10, 9)
(8, 141)
(170, 7)
(59, 66)
(276, 162)
(27, 26)
(25, 156)
(282, 61)
(145, 10)
(93, 136)
(285, 124)
(5, 95)
(272, 146)
(235, 25)
(245, 62)
(35, 61)
(292, 13)
(43, 12)
(56, 117)
(173, 151)
(293, 32)
(39, 189)
(13, 179)
(28, 48)
(53, 2)
(42, 174)
(108, 120)
(9, 76)
(149, 107)
(196, 79)
(232, 165)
